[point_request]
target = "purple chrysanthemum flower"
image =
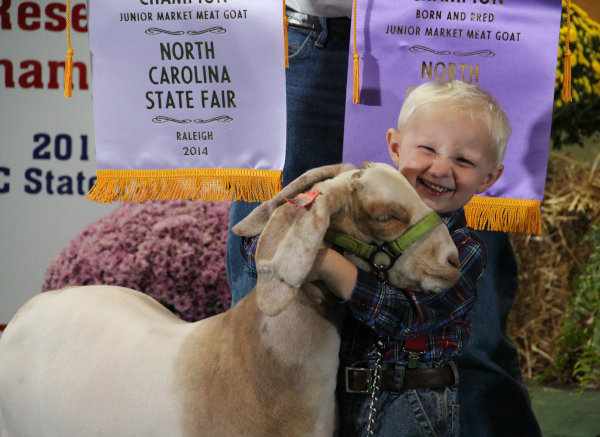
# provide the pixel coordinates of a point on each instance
(174, 251)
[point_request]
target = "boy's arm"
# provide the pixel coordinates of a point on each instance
(398, 313)
(248, 251)
(337, 272)
(387, 310)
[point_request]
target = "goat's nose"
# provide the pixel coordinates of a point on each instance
(453, 261)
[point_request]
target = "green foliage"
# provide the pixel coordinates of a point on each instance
(580, 332)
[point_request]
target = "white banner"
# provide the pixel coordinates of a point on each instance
(185, 85)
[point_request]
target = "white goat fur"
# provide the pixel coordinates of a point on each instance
(109, 361)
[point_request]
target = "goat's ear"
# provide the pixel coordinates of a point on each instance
(367, 164)
(286, 251)
(257, 219)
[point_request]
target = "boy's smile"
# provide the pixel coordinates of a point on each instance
(447, 157)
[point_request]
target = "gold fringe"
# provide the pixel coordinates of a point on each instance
(506, 215)
(190, 184)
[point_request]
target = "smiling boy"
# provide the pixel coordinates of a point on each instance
(446, 156)
(449, 145)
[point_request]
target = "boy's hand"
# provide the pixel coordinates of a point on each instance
(338, 274)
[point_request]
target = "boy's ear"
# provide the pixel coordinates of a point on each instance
(490, 179)
(393, 142)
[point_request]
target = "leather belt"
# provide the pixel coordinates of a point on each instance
(336, 27)
(359, 380)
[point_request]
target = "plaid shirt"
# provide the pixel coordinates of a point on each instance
(380, 310)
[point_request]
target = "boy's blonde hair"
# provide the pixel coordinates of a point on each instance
(463, 98)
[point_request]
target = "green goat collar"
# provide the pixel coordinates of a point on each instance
(391, 250)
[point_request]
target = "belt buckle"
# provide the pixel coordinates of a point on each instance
(369, 374)
(305, 25)
(303, 21)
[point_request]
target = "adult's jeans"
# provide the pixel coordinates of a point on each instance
(316, 102)
(494, 400)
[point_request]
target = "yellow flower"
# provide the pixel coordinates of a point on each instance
(573, 34)
(584, 36)
(587, 86)
(582, 60)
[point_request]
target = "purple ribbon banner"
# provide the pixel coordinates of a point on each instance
(508, 47)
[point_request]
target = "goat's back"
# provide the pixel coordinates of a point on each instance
(109, 361)
(93, 360)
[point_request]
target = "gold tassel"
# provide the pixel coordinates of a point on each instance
(69, 73)
(285, 37)
(566, 90)
(69, 60)
(356, 87)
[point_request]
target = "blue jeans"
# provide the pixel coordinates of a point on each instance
(410, 413)
(316, 104)
(493, 398)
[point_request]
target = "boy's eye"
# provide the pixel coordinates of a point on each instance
(465, 161)
(427, 149)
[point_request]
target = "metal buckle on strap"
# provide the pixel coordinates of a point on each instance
(369, 375)
(382, 258)
(303, 21)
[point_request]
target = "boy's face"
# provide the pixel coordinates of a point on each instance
(447, 157)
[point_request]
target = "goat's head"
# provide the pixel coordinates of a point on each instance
(372, 204)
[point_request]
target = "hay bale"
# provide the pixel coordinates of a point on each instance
(549, 263)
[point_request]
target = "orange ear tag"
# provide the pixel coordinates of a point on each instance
(303, 199)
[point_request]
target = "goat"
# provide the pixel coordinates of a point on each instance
(109, 361)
